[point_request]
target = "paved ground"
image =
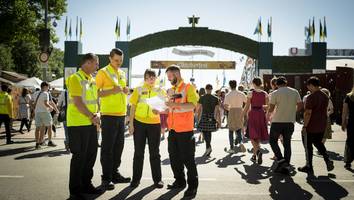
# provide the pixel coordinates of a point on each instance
(26, 173)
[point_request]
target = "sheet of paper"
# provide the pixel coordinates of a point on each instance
(156, 103)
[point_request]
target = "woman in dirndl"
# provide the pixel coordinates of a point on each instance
(209, 114)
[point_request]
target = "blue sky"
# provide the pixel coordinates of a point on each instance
(236, 16)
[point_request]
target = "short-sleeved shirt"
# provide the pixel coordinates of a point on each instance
(317, 102)
(74, 85)
(40, 106)
(104, 82)
(235, 99)
(208, 102)
(285, 100)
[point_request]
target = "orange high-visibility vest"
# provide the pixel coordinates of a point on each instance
(181, 120)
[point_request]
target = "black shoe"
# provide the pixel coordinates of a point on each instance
(77, 197)
(21, 132)
(347, 166)
(120, 179)
(176, 185)
(10, 142)
(305, 169)
(38, 146)
(106, 186)
(51, 144)
(92, 190)
(329, 165)
(259, 155)
(134, 184)
(254, 158)
(190, 193)
(159, 184)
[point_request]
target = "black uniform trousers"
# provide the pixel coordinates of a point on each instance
(181, 149)
(83, 146)
(112, 145)
(6, 119)
(151, 133)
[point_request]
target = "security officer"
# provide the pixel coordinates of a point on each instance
(181, 142)
(82, 122)
(112, 90)
(6, 111)
(145, 125)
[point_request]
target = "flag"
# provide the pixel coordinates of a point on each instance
(224, 79)
(310, 28)
(256, 31)
(260, 26)
(119, 28)
(321, 31)
(81, 32)
(128, 26)
(116, 29)
(324, 28)
(313, 28)
(270, 27)
(66, 27)
(217, 81)
(159, 73)
(70, 29)
(77, 27)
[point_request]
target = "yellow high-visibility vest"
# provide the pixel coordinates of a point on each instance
(115, 103)
(143, 111)
(89, 96)
(5, 104)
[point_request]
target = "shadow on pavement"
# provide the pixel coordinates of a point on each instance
(53, 153)
(282, 186)
(201, 160)
(327, 188)
(229, 159)
(335, 156)
(170, 194)
(253, 173)
(123, 194)
(10, 152)
(142, 193)
(263, 150)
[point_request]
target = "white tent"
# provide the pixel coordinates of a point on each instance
(57, 84)
(30, 83)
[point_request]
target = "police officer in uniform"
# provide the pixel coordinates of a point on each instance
(82, 122)
(6, 111)
(145, 125)
(181, 141)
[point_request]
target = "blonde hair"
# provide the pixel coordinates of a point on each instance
(351, 94)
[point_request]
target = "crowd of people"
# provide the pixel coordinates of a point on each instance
(100, 102)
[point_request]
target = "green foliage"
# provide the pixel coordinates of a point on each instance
(20, 23)
(6, 61)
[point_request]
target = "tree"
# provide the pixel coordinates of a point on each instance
(6, 61)
(21, 21)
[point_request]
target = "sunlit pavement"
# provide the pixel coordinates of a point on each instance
(26, 173)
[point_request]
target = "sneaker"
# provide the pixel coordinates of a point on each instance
(120, 179)
(190, 193)
(305, 169)
(243, 148)
(259, 155)
(159, 184)
(254, 158)
(38, 146)
(207, 152)
(329, 165)
(51, 144)
(230, 151)
(106, 186)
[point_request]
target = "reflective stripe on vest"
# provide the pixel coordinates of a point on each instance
(115, 103)
(143, 110)
(181, 120)
(89, 97)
